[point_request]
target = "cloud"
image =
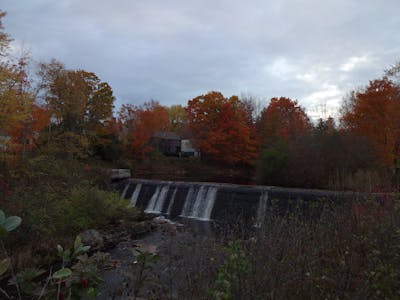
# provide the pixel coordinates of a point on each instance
(354, 62)
(280, 68)
(174, 50)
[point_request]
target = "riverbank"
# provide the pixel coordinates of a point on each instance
(348, 253)
(156, 259)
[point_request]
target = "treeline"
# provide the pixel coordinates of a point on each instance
(68, 113)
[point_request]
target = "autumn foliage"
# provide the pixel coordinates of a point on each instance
(139, 123)
(68, 113)
(283, 119)
(220, 130)
(375, 113)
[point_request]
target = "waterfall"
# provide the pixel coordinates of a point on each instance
(135, 194)
(125, 190)
(217, 202)
(262, 208)
(157, 200)
(205, 213)
(199, 203)
(171, 202)
(188, 202)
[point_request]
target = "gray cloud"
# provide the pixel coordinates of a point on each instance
(314, 51)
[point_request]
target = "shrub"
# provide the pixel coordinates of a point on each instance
(272, 164)
(57, 199)
(89, 207)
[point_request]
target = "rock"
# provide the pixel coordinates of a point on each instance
(167, 226)
(112, 239)
(149, 248)
(142, 228)
(118, 173)
(161, 220)
(169, 229)
(92, 238)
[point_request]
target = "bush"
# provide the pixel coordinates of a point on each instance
(89, 207)
(272, 164)
(349, 253)
(57, 199)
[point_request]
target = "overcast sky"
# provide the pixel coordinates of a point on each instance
(315, 51)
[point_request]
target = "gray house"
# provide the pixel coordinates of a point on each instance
(187, 149)
(171, 144)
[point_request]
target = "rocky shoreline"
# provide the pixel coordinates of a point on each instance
(165, 246)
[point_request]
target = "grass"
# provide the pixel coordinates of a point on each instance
(57, 199)
(351, 252)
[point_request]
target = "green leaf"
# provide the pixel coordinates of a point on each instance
(4, 264)
(2, 217)
(62, 273)
(78, 242)
(66, 255)
(60, 251)
(92, 292)
(12, 222)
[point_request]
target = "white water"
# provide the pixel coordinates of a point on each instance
(188, 202)
(125, 190)
(205, 212)
(171, 202)
(135, 194)
(262, 209)
(199, 203)
(157, 200)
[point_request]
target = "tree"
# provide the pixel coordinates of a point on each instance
(252, 106)
(4, 37)
(374, 113)
(21, 119)
(283, 119)
(221, 130)
(177, 118)
(76, 98)
(80, 104)
(273, 164)
(139, 123)
(326, 126)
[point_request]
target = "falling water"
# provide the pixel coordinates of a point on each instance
(199, 203)
(171, 202)
(216, 202)
(157, 200)
(188, 202)
(262, 208)
(205, 212)
(135, 194)
(125, 190)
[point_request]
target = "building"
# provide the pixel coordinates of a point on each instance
(187, 149)
(171, 144)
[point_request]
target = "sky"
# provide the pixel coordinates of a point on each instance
(174, 50)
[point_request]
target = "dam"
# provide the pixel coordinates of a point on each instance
(206, 201)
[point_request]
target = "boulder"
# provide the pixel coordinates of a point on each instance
(141, 228)
(92, 238)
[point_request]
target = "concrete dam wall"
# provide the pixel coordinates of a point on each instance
(222, 202)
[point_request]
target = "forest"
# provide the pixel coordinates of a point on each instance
(60, 129)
